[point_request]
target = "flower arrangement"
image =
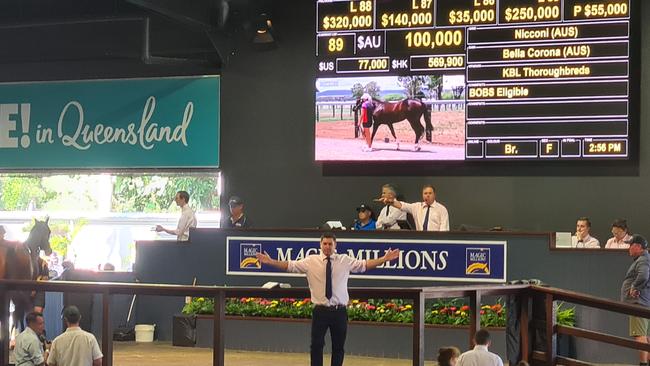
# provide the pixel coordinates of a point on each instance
(450, 312)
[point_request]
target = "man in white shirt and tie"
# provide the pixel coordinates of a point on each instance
(187, 220)
(429, 215)
(327, 276)
(389, 215)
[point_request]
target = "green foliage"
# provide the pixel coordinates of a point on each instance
(450, 312)
(434, 85)
(199, 305)
(412, 84)
(565, 316)
(156, 193)
(61, 236)
(393, 97)
(18, 192)
(371, 88)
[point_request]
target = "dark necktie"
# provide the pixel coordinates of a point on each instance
(387, 210)
(328, 279)
(425, 224)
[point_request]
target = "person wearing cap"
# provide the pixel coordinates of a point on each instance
(238, 218)
(364, 220)
(582, 239)
(636, 290)
(187, 220)
(367, 109)
(389, 215)
(429, 215)
(621, 234)
(75, 347)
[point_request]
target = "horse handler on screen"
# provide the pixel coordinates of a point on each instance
(367, 109)
(327, 276)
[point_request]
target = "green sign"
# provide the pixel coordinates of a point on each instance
(124, 123)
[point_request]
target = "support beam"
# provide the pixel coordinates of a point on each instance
(475, 318)
(107, 330)
(551, 335)
(4, 326)
(218, 348)
(418, 330)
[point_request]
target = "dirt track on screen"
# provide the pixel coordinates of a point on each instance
(448, 129)
(335, 140)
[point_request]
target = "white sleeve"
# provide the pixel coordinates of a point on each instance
(409, 207)
(355, 265)
(444, 219)
(184, 223)
(97, 352)
(301, 266)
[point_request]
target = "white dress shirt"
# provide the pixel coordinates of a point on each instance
(614, 243)
(438, 215)
(388, 221)
(315, 266)
(187, 220)
(479, 356)
(588, 242)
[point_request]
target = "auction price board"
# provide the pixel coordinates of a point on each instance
(541, 79)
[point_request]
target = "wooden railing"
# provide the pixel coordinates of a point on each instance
(550, 295)
(524, 293)
(219, 294)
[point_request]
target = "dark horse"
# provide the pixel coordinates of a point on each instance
(389, 113)
(20, 262)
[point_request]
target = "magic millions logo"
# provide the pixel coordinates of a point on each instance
(247, 258)
(477, 261)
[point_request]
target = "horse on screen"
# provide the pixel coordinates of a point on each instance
(389, 113)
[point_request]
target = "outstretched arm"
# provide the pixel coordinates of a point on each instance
(389, 201)
(388, 256)
(265, 258)
(159, 228)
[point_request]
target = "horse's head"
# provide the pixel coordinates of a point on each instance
(39, 237)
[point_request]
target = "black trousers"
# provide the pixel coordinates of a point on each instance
(336, 320)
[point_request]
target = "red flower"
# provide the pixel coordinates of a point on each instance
(306, 300)
(243, 299)
(482, 312)
(464, 308)
(453, 308)
(371, 307)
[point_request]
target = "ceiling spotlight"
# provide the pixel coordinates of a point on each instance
(263, 30)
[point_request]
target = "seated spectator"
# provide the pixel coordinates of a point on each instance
(29, 349)
(75, 347)
(364, 219)
(621, 235)
(480, 356)
(582, 239)
(389, 215)
(448, 356)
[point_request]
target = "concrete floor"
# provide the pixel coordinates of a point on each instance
(163, 354)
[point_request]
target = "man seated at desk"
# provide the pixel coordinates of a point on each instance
(364, 220)
(582, 239)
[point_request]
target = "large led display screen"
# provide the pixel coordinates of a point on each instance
(440, 80)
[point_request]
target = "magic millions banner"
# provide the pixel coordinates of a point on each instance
(435, 260)
(122, 123)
